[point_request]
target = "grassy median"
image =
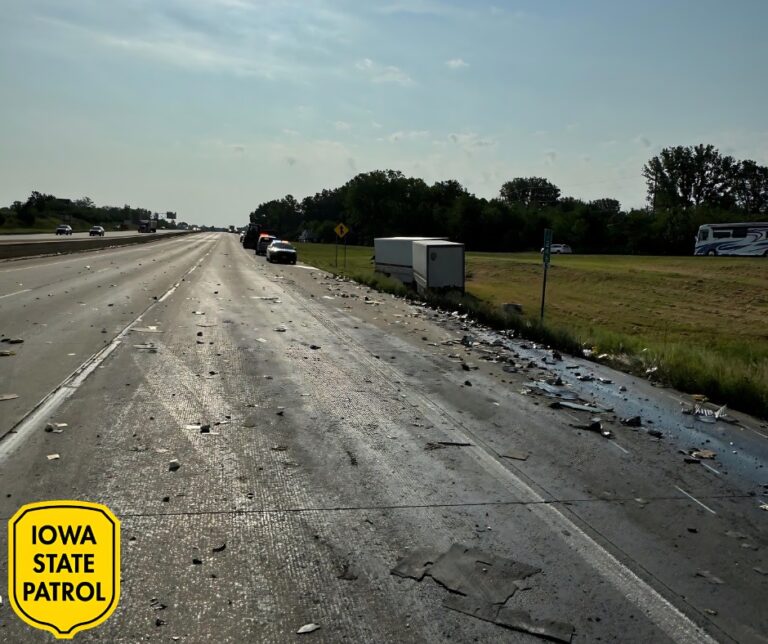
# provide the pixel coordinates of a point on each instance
(701, 321)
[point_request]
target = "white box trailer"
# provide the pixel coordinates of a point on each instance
(394, 256)
(438, 265)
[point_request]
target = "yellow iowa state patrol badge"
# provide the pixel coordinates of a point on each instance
(64, 565)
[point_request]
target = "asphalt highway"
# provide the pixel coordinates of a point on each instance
(349, 429)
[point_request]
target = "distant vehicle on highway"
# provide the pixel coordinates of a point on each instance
(64, 229)
(264, 241)
(242, 236)
(96, 231)
(558, 249)
(281, 251)
(747, 239)
(148, 226)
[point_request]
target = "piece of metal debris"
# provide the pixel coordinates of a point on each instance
(597, 427)
(558, 404)
(469, 571)
(53, 457)
(8, 396)
(706, 574)
(173, 465)
(703, 453)
(518, 455)
(307, 628)
(554, 391)
(632, 421)
(517, 620)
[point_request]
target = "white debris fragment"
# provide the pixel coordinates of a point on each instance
(53, 457)
(308, 628)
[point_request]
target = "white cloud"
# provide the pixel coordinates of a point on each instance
(378, 73)
(290, 132)
(642, 140)
(456, 63)
(421, 7)
(342, 126)
(412, 134)
(471, 140)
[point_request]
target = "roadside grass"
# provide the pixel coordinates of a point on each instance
(701, 322)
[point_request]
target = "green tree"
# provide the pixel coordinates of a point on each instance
(751, 188)
(534, 193)
(690, 176)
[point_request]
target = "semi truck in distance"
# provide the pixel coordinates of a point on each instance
(148, 226)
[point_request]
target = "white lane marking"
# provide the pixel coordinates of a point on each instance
(26, 290)
(615, 444)
(12, 439)
(693, 498)
(709, 467)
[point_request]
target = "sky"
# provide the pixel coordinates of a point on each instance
(210, 107)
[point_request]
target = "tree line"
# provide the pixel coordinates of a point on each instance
(686, 187)
(40, 207)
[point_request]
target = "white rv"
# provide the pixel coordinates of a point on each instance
(438, 265)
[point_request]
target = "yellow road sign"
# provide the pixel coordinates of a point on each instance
(341, 230)
(64, 565)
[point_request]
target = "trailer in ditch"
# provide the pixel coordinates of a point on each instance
(394, 256)
(438, 265)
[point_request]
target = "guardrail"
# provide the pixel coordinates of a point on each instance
(33, 248)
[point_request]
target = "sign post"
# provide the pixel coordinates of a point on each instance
(546, 254)
(341, 233)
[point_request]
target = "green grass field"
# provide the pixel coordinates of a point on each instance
(703, 321)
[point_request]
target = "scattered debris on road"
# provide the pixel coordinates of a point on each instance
(8, 397)
(706, 574)
(444, 444)
(596, 425)
(173, 465)
(53, 457)
(307, 628)
(576, 406)
(486, 582)
(6, 353)
(518, 455)
(517, 620)
(552, 390)
(632, 421)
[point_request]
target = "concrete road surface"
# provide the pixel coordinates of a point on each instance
(349, 429)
